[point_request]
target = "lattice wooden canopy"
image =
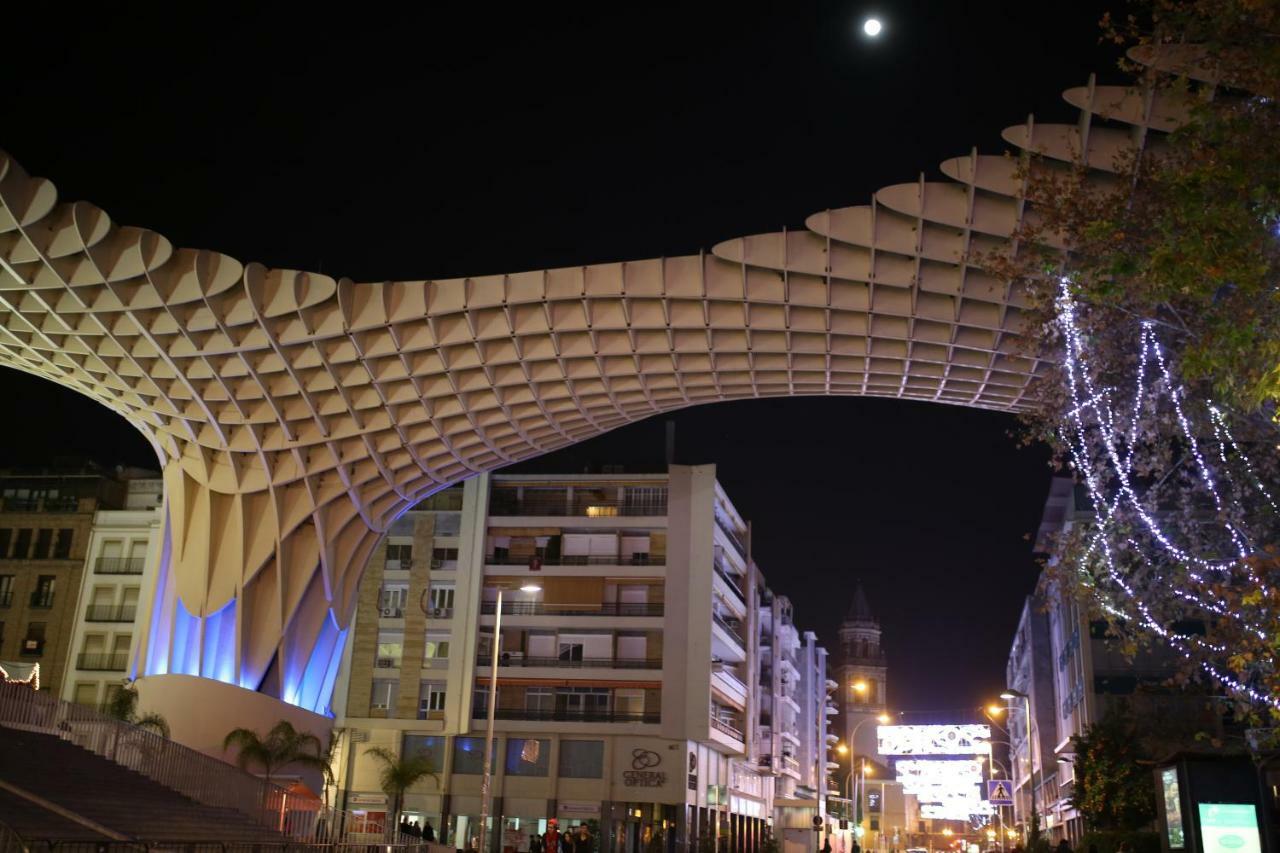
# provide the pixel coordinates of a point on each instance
(297, 415)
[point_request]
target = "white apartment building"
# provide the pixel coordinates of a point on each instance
(628, 685)
(116, 586)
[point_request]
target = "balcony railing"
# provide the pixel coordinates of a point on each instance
(539, 608)
(564, 715)
(732, 536)
(578, 507)
(577, 560)
(118, 565)
(728, 578)
(117, 662)
(110, 612)
(731, 627)
(507, 659)
(66, 503)
(6, 598)
(727, 728)
(42, 599)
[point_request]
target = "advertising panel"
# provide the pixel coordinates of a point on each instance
(1229, 828)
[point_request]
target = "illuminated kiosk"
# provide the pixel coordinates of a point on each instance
(296, 416)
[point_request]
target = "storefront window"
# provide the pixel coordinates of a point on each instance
(528, 756)
(468, 755)
(429, 746)
(582, 759)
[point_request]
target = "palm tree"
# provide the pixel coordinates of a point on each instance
(398, 774)
(123, 706)
(283, 745)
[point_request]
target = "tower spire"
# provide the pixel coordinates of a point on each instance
(859, 609)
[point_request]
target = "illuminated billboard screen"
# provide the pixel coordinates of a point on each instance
(933, 740)
(1229, 828)
(1172, 808)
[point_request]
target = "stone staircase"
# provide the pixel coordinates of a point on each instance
(106, 794)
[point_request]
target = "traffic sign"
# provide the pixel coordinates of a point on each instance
(999, 792)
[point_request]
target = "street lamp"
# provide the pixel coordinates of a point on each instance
(883, 719)
(487, 778)
(1009, 695)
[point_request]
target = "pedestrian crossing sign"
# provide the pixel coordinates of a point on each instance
(999, 792)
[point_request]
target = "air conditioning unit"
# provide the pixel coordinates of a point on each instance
(380, 706)
(391, 612)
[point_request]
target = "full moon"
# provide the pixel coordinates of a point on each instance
(871, 27)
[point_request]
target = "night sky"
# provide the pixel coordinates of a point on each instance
(487, 140)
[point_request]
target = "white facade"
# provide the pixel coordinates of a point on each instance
(115, 595)
(629, 686)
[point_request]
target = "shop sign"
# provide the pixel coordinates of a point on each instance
(643, 772)
(367, 799)
(574, 809)
(693, 771)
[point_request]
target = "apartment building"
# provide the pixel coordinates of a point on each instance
(115, 595)
(45, 523)
(1064, 660)
(627, 695)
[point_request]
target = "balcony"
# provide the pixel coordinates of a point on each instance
(41, 599)
(731, 626)
(727, 727)
(577, 560)
(729, 684)
(442, 565)
(565, 715)
(99, 662)
(506, 659)
(728, 579)
(539, 608)
(387, 663)
(118, 565)
(789, 763)
(732, 536)
(580, 506)
(110, 612)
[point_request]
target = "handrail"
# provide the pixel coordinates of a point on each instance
(602, 508)
(564, 715)
(119, 565)
(542, 608)
(110, 612)
(507, 659)
(577, 560)
(193, 774)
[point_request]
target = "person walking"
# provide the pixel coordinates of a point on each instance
(1063, 846)
(826, 843)
(428, 831)
(551, 841)
(583, 842)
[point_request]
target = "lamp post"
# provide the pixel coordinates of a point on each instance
(999, 809)
(1032, 820)
(883, 719)
(487, 778)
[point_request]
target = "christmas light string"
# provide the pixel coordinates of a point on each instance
(1092, 418)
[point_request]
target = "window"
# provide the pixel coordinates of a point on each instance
(440, 600)
(392, 599)
(44, 543)
(430, 747)
(62, 547)
(431, 701)
(436, 646)
(6, 590)
(86, 694)
(33, 643)
(385, 693)
(528, 756)
(399, 556)
(468, 755)
(43, 596)
(444, 558)
(582, 759)
(570, 651)
(582, 700)
(541, 699)
(390, 648)
(22, 545)
(6, 540)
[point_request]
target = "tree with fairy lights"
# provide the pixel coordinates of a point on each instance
(1156, 290)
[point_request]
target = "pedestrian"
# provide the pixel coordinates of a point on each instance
(567, 841)
(551, 840)
(414, 829)
(535, 843)
(854, 848)
(826, 843)
(428, 832)
(584, 843)
(1063, 846)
